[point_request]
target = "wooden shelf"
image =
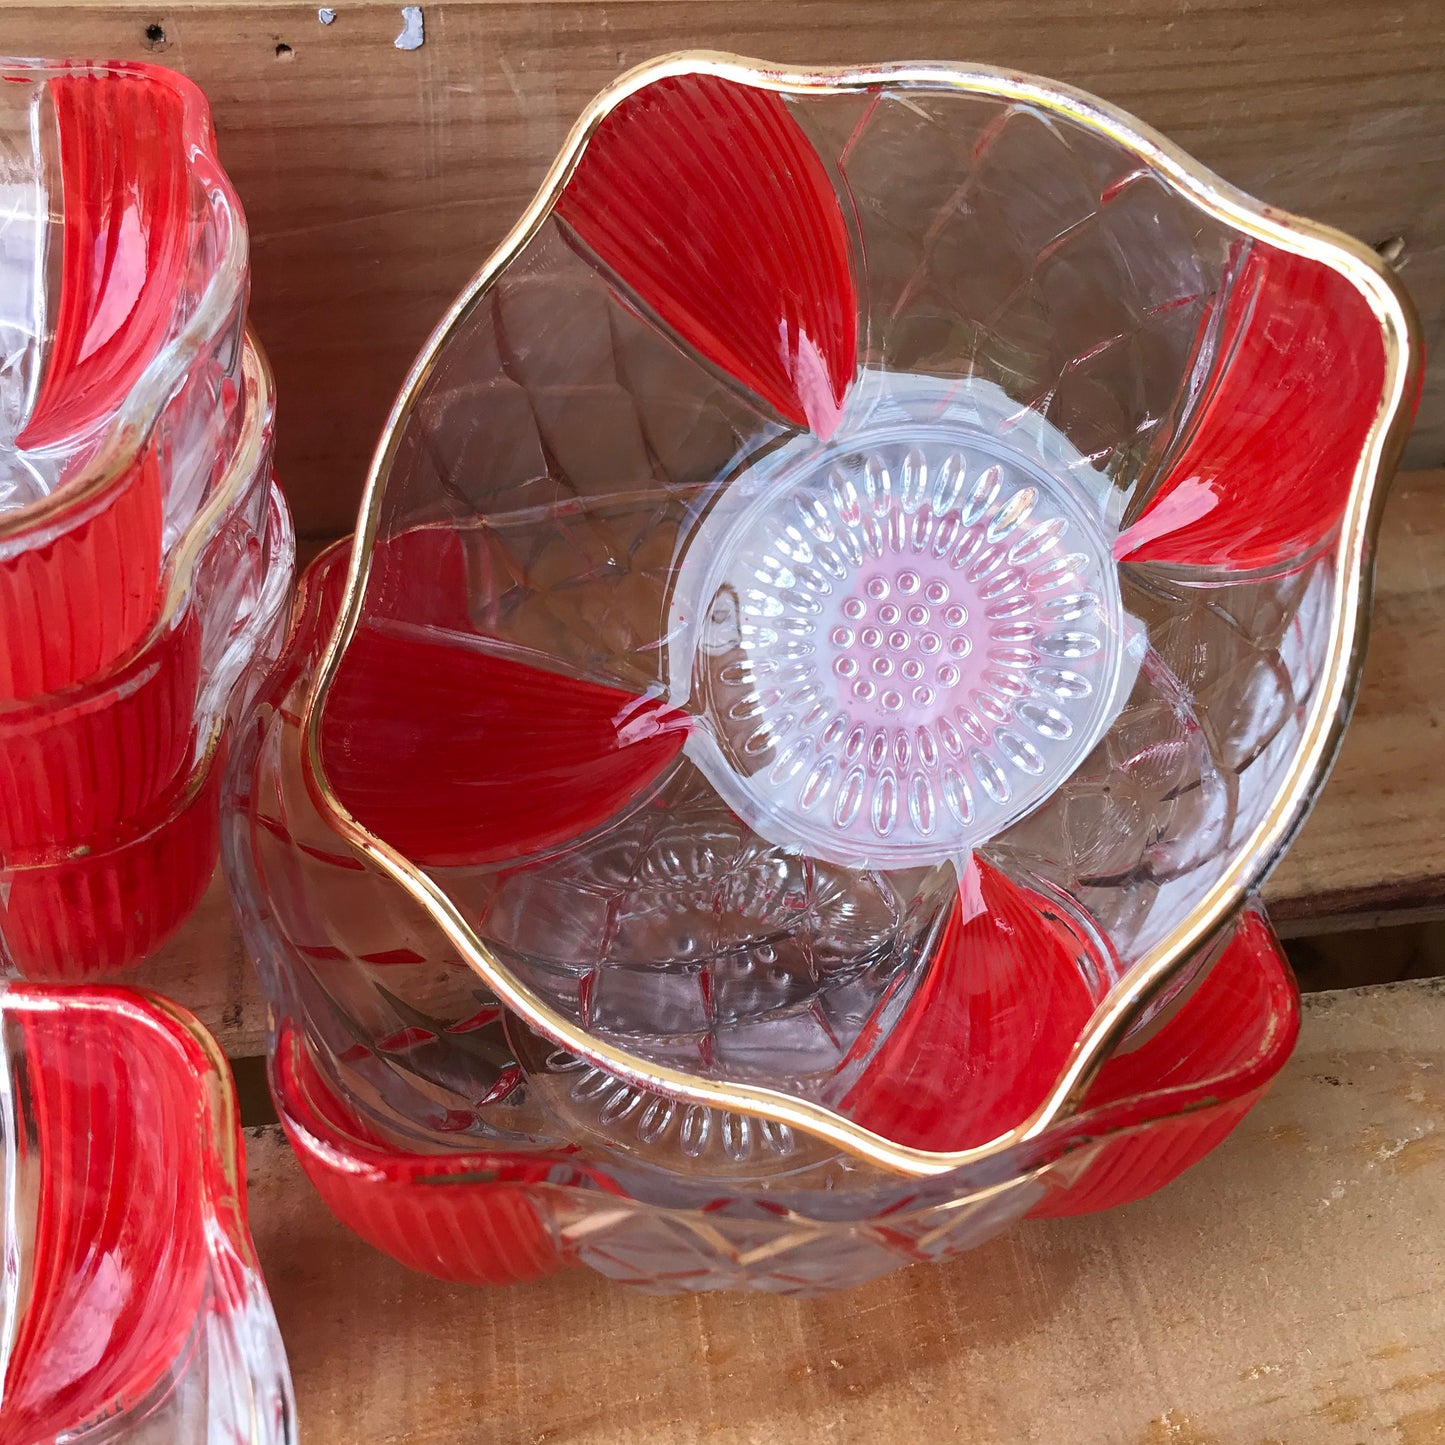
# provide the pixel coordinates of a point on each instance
(1287, 1289)
(376, 180)
(1290, 1288)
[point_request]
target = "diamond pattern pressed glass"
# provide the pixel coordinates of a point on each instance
(828, 656)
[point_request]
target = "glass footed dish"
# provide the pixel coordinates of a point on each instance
(830, 648)
(135, 1309)
(109, 787)
(123, 273)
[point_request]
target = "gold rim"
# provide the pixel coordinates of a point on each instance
(1324, 725)
(225, 1120)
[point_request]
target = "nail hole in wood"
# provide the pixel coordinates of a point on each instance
(284, 51)
(156, 37)
(1392, 251)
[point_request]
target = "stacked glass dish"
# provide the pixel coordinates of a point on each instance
(134, 1305)
(853, 600)
(145, 553)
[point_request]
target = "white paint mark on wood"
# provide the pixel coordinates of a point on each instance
(413, 29)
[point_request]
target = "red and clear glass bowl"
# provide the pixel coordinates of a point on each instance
(832, 645)
(109, 787)
(144, 554)
(495, 1215)
(134, 1307)
(123, 278)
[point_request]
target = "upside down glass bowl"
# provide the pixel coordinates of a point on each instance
(134, 1306)
(852, 601)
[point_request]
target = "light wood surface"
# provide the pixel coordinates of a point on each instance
(1287, 1290)
(376, 180)
(206, 968)
(1373, 851)
(1374, 847)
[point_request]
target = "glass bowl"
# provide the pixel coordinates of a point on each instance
(123, 272)
(108, 788)
(448, 1134)
(500, 1215)
(134, 1305)
(832, 644)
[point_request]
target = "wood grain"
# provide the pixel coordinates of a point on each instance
(377, 180)
(1373, 848)
(1287, 1289)
(206, 968)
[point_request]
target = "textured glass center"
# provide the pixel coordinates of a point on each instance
(909, 637)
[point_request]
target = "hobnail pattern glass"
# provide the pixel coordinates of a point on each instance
(601, 857)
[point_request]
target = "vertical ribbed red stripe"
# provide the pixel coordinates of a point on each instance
(118, 1252)
(706, 199)
(84, 918)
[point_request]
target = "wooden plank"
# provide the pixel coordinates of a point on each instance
(1372, 852)
(1374, 845)
(206, 968)
(1288, 1289)
(376, 180)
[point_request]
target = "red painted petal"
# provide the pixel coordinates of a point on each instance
(117, 1259)
(1265, 473)
(73, 605)
(482, 1228)
(1205, 1069)
(455, 755)
(989, 1028)
(706, 198)
(127, 204)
